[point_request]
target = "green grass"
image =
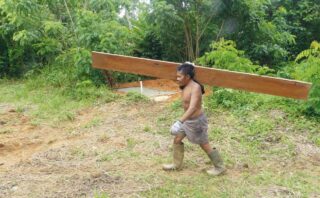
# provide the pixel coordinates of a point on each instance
(245, 135)
(246, 184)
(253, 138)
(131, 143)
(147, 129)
(96, 121)
(134, 97)
(100, 195)
(51, 103)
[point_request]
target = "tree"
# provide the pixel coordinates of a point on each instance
(303, 20)
(185, 27)
(21, 33)
(225, 55)
(60, 34)
(262, 30)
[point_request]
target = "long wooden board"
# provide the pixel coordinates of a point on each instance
(209, 76)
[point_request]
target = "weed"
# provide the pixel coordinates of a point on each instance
(93, 123)
(136, 97)
(100, 195)
(131, 143)
(78, 152)
(147, 129)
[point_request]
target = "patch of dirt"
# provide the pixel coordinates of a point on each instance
(160, 84)
(310, 152)
(4, 108)
(277, 114)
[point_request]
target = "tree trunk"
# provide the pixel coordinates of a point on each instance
(187, 38)
(108, 78)
(197, 40)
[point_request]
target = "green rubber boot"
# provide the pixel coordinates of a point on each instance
(178, 154)
(218, 167)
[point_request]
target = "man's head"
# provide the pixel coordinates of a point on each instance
(185, 72)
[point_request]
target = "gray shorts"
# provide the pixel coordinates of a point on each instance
(196, 129)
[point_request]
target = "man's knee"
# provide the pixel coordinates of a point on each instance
(178, 139)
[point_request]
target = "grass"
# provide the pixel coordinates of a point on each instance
(78, 153)
(257, 139)
(100, 195)
(247, 184)
(134, 97)
(117, 155)
(96, 121)
(258, 148)
(56, 104)
(131, 143)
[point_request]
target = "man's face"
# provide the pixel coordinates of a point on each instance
(182, 79)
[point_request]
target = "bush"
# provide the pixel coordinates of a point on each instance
(232, 99)
(224, 55)
(309, 70)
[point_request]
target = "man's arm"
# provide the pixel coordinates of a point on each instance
(194, 103)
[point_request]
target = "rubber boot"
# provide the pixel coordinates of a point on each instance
(218, 167)
(178, 154)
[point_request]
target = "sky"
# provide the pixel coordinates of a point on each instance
(122, 12)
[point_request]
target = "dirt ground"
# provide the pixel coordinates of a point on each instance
(108, 148)
(67, 160)
(82, 157)
(160, 84)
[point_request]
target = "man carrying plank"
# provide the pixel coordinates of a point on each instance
(209, 76)
(193, 124)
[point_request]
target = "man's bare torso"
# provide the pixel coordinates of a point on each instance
(187, 92)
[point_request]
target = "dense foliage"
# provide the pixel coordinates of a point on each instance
(51, 41)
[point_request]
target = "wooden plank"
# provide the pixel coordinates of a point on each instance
(210, 76)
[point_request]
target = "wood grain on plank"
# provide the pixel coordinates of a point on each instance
(210, 76)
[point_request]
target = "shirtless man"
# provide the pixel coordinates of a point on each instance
(193, 124)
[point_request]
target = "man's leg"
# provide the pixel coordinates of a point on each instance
(178, 138)
(218, 167)
(178, 154)
(206, 147)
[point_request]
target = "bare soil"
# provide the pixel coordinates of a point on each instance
(67, 160)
